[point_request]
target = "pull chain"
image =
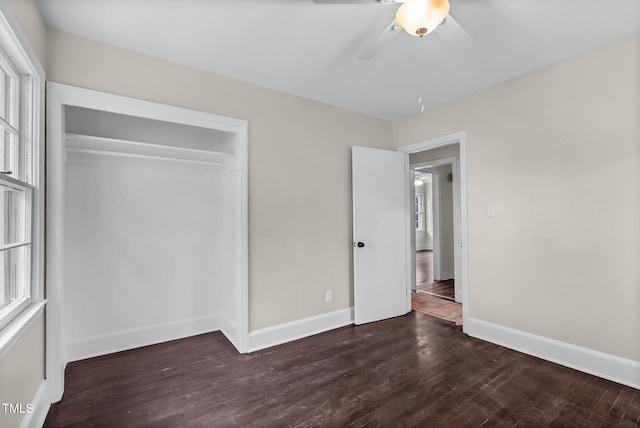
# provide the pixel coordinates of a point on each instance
(421, 75)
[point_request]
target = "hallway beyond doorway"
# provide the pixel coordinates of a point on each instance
(425, 282)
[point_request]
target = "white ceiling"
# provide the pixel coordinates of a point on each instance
(311, 50)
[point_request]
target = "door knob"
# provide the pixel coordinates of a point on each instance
(360, 244)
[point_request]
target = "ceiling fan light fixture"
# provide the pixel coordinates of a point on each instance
(420, 17)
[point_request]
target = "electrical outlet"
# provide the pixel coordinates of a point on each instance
(491, 210)
(328, 296)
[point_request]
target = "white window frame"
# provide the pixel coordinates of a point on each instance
(8, 313)
(429, 216)
(19, 315)
(420, 212)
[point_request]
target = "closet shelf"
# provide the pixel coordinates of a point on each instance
(109, 146)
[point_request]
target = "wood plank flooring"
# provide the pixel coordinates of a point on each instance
(410, 371)
(442, 289)
(425, 283)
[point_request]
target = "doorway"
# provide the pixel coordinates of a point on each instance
(435, 258)
(434, 232)
(439, 268)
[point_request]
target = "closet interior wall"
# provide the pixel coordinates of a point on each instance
(149, 232)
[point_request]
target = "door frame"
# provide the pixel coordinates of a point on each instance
(59, 96)
(460, 229)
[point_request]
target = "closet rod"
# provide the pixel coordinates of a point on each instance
(139, 156)
(127, 146)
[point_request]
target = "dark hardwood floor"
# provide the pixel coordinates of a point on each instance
(410, 371)
(442, 289)
(425, 283)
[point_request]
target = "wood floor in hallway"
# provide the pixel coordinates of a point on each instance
(425, 283)
(409, 371)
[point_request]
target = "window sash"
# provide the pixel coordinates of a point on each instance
(10, 96)
(15, 214)
(15, 268)
(16, 254)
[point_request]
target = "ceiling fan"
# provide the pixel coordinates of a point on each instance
(418, 18)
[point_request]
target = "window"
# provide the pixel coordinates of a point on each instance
(19, 135)
(419, 211)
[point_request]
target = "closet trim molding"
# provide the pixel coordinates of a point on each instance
(58, 97)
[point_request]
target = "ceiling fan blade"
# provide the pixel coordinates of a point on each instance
(389, 32)
(357, 1)
(454, 35)
(342, 1)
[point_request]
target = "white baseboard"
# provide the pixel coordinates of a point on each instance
(282, 333)
(607, 366)
(143, 336)
(40, 407)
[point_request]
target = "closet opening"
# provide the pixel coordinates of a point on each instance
(147, 225)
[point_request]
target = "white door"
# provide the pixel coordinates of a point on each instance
(379, 234)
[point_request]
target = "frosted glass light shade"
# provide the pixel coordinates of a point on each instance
(420, 17)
